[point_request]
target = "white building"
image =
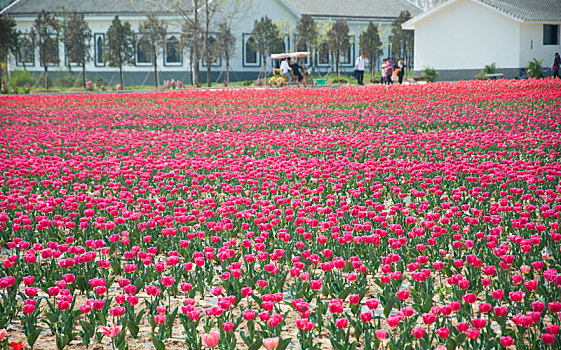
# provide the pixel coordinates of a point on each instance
(173, 63)
(459, 37)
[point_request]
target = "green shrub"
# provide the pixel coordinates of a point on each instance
(65, 79)
(535, 69)
(99, 80)
(21, 78)
(40, 82)
(488, 69)
(430, 74)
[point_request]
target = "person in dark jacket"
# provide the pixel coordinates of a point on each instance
(556, 65)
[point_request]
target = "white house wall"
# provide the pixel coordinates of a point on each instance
(531, 45)
(466, 35)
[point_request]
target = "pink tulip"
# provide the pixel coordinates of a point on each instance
(271, 343)
(111, 331)
(211, 338)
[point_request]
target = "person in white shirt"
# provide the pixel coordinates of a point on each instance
(285, 68)
(359, 66)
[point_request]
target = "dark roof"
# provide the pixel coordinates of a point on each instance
(353, 8)
(529, 10)
(92, 7)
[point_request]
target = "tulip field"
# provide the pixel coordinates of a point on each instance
(401, 217)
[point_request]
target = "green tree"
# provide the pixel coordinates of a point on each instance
(306, 36)
(370, 44)
(152, 40)
(267, 40)
(226, 43)
(338, 40)
(77, 37)
(45, 32)
(8, 40)
(402, 40)
(119, 46)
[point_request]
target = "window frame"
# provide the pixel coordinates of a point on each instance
(245, 39)
(58, 41)
(551, 31)
(66, 61)
(31, 63)
(179, 51)
(216, 63)
(96, 48)
(318, 55)
(137, 50)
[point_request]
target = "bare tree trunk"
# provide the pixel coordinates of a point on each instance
(228, 69)
(196, 41)
(46, 76)
(337, 63)
(121, 75)
(84, 72)
(207, 44)
(155, 63)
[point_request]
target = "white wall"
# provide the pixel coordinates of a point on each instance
(531, 45)
(466, 35)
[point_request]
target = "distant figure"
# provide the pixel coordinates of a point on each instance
(285, 68)
(359, 66)
(400, 70)
(556, 65)
(384, 76)
(523, 74)
(388, 70)
(296, 69)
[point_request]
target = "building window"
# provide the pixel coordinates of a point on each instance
(214, 53)
(142, 57)
(551, 34)
(250, 55)
(51, 52)
(323, 54)
(173, 53)
(67, 60)
(347, 57)
(303, 47)
(99, 49)
(26, 54)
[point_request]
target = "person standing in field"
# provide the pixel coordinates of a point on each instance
(400, 70)
(388, 70)
(556, 65)
(359, 66)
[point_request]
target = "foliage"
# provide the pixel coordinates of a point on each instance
(8, 39)
(65, 79)
(307, 36)
(21, 78)
(152, 39)
(45, 33)
(226, 45)
(430, 74)
(98, 80)
(77, 36)
(535, 69)
(267, 39)
(119, 46)
(370, 44)
(488, 69)
(402, 40)
(338, 41)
